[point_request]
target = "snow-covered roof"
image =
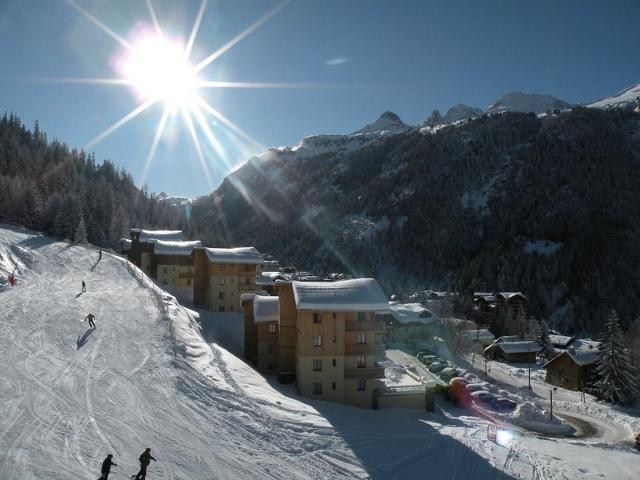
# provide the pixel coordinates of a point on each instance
(270, 278)
(125, 244)
(234, 255)
(560, 341)
(266, 309)
(411, 313)
(361, 294)
(518, 347)
(175, 248)
(508, 339)
(509, 295)
(252, 295)
(166, 235)
(582, 358)
(487, 298)
(584, 344)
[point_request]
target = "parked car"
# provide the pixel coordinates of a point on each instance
(474, 387)
(448, 373)
(429, 359)
(436, 367)
(483, 398)
(502, 404)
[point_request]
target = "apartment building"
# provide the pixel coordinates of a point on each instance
(142, 244)
(339, 340)
(222, 275)
(171, 263)
(266, 315)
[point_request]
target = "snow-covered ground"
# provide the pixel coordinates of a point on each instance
(146, 377)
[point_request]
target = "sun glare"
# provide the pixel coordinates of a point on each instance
(159, 71)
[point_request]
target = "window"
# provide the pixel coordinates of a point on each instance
(317, 364)
(333, 386)
(362, 384)
(272, 328)
(247, 281)
(334, 339)
(362, 316)
(221, 308)
(316, 317)
(188, 281)
(362, 338)
(334, 363)
(221, 295)
(221, 281)
(173, 269)
(165, 269)
(222, 265)
(334, 315)
(231, 306)
(317, 341)
(317, 389)
(362, 361)
(272, 347)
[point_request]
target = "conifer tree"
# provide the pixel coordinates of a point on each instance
(547, 351)
(80, 235)
(615, 377)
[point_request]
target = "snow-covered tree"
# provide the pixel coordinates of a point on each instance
(80, 235)
(615, 378)
(547, 352)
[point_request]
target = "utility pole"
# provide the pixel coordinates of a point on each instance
(551, 404)
(529, 361)
(486, 373)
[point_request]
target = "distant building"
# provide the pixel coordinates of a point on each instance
(482, 337)
(572, 368)
(142, 244)
(172, 263)
(512, 349)
(266, 315)
(407, 321)
(221, 275)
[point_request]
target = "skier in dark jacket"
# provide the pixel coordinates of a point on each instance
(84, 286)
(91, 317)
(106, 467)
(145, 460)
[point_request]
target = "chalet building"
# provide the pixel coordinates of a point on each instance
(339, 340)
(266, 315)
(560, 342)
(571, 369)
(142, 244)
(512, 349)
(221, 275)
(407, 321)
(267, 281)
(172, 263)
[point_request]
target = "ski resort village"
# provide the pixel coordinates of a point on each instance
(228, 365)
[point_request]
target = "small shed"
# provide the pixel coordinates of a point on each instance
(515, 352)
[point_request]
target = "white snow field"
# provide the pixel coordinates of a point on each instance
(145, 377)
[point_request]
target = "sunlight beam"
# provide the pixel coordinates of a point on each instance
(154, 145)
(217, 146)
(192, 131)
(232, 43)
(131, 115)
(195, 29)
(99, 24)
(232, 126)
(154, 18)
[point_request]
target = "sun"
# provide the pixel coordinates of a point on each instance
(158, 70)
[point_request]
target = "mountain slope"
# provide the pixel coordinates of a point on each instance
(526, 102)
(457, 209)
(625, 98)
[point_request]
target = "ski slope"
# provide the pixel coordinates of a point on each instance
(145, 377)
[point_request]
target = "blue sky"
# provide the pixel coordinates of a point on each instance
(406, 56)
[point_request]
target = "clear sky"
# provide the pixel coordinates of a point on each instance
(406, 56)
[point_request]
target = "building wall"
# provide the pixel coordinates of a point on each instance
(174, 272)
(329, 377)
(416, 401)
(401, 333)
(267, 347)
(224, 284)
(565, 373)
(287, 334)
(360, 398)
(250, 333)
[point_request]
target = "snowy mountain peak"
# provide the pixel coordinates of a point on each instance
(526, 102)
(630, 96)
(387, 122)
(458, 112)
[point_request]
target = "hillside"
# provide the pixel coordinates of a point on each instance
(46, 185)
(544, 205)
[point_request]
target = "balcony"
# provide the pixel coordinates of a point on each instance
(364, 326)
(185, 275)
(364, 348)
(372, 372)
(247, 288)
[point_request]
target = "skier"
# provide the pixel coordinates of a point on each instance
(106, 467)
(91, 317)
(84, 286)
(99, 254)
(145, 460)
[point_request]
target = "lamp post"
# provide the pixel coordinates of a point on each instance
(529, 361)
(551, 404)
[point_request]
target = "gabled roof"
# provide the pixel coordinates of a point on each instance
(560, 341)
(582, 358)
(270, 278)
(234, 255)
(174, 248)
(515, 347)
(166, 235)
(411, 313)
(508, 339)
(479, 335)
(361, 294)
(509, 295)
(584, 344)
(252, 295)
(266, 309)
